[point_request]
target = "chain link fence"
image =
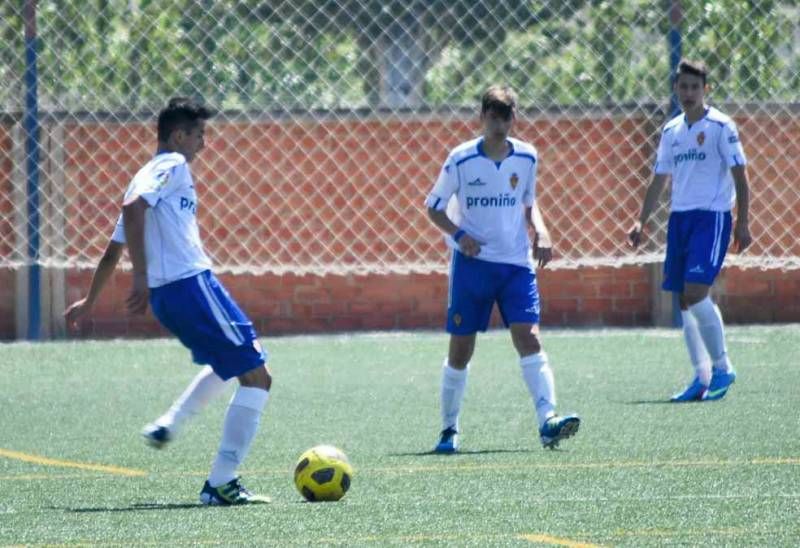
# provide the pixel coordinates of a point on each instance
(336, 115)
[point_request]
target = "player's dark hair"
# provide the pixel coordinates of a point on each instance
(695, 68)
(180, 113)
(499, 99)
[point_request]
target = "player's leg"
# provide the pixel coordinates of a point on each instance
(469, 309)
(238, 431)
(538, 377)
(698, 355)
(205, 386)
(707, 248)
(454, 383)
(231, 346)
(518, 299)
(678, 236)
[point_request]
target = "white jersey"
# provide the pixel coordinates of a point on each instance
(171, 236)
(699, 157)
(487, 199)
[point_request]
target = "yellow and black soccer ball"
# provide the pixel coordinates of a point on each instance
(323, 473)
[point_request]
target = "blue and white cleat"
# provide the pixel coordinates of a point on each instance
(230, 494)
(696, 391)
(558, 428)
(156, 436)
(720, 383)
(448, 442)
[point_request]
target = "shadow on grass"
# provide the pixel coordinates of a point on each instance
(660, 402)
(138, 507)
(461, 453)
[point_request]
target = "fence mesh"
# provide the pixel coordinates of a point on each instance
(335, 116)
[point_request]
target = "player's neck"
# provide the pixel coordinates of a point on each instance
(695, 114)
(496, 149)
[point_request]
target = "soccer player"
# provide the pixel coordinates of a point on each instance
(700, 150)
(172, 273)
(493, 182)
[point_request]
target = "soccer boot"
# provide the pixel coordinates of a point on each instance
(229, 494)
(558, 428)
(448, 442)
(720, 383)
(696, 391)
(156, 436)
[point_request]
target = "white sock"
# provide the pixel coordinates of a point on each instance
(698, 354)
(709, 323)
(203, 388)
(238, 431)
(454, 381)
(541, 385)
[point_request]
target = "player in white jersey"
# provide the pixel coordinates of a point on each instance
(172, 273)
(701, 152)
(490, 186)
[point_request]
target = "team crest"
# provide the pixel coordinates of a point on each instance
(701, 138)
(457, 319)
(514, 181)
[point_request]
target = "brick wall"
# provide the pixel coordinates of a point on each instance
(574, 178)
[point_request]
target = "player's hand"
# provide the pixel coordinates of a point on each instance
(76, 311)
(542, 250)
(635, 235)
(741, 237)
(469, 246)
(139, 295)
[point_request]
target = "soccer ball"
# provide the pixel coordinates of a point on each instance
(323, 473)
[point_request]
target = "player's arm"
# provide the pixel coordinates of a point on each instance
(466, 243)
(741, 231)
(542, 244)
(650, 199)
(133, 218)
(108, 262)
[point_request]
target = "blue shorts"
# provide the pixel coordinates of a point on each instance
(697, 241)
(475, 285)
(202, 314)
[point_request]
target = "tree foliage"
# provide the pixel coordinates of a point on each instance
(130, 54)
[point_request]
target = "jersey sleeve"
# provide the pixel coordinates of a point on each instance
(446, 185)
(119, 232)
(160, 185)
(730, 148)
(529, 196)
(664, 156)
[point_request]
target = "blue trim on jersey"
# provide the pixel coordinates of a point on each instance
(736, 160)
(436, 203)
(470, 157)
(525, 155)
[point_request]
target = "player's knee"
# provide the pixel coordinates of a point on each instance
(529, 345)
(458, 360)
(693, 295)
(526, 341)
(257, 378)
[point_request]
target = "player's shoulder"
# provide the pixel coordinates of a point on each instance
(464, 151)
(718, 117)
(523, 148)
(672, 124)
(167, 161)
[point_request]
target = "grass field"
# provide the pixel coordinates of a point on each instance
(639, 473)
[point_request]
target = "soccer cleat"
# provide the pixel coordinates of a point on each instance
(558, 428)
(448, 442)
(229, 494)
(696, 391)
(156, 436)
(720, 383)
